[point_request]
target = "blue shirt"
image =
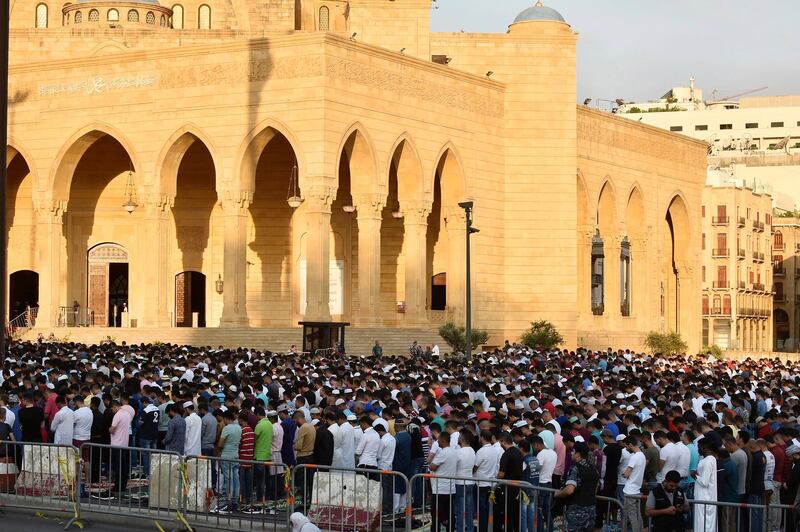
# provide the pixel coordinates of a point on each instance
(728, 481)
(693, 461)
(613, 428)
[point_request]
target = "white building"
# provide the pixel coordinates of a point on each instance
(759, 132)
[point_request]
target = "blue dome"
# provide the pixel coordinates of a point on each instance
(539, 12)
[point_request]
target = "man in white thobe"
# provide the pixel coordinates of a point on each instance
(705, 488)
(336, 432)
(194, 427)
(348, 443)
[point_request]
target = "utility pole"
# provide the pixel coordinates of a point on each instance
(467, 206)
(4, 23)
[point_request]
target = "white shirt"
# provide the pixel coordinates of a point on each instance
(62, 426)
(633, 484)
(547, 464)
(194, 427)
(454, 437)
(82, 424)
(669, 454)
(368, 447)
(277, 441)
(623, 464)
(556, 426)
(10, 417)
(348, 445)
(386, 452)
(769, 471)
(486, 463)
(499, 450)
(435, 350)
(447, 461)
(684, 459)
(466, 462)
(338, 450)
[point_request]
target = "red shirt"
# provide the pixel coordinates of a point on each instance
(247, 445)
(779, 452)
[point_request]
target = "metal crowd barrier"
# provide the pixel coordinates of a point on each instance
(344, 499)
(215, 486)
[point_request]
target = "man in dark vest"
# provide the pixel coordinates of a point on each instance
(579, 491)
(666, 505)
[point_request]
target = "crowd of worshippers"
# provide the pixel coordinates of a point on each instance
(581, 427)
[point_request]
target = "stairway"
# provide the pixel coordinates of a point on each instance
(358, 340)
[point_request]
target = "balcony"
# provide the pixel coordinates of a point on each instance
(720, 253)
(758, 257)
(759, 287)
(778, 271)
(742, 285)
(778, 247)
(720, 220)
(720, 284)
(758, 226)
(717, 312)
(740, 221)
(741, 254)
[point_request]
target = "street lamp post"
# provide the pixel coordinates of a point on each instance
(4, 23)
(467, 206)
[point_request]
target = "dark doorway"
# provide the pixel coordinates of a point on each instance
(23, 292)
(439, 291)
(190, 298)
(117, 292)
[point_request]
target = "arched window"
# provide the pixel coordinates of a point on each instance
(94, 16)
(726, 305)
(625, 277)
(717, 304)
(177, 17)
(78, 17)
(705, 305)
(150, 18)
(163, 21)
(204, 17)
(133, 16)
(113, 15)
(777, 242)
(598, 275)
(41, 16)
(324, 19)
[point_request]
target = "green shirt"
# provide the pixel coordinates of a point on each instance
(232, 434)
(263, 450)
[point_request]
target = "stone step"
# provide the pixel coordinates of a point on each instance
(358, 340)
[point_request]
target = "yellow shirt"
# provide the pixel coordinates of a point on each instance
(304, 440)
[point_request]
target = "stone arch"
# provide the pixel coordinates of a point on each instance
(253, 146)
(678, 213)
(358, 151)
(606, 218)
(109, 47)
(449, 162)
(69, 156)
(407, 164)
(677, 284)
(169, 160)
(582, 197)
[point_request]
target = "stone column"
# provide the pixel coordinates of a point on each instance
(49, 256)
(415, 247)
(234, 294)
(318, 225)
(456, 265)
(156, 274)
(369, 208)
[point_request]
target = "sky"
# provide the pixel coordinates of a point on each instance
(639, 49)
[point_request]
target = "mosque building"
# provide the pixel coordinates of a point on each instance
(232, 164)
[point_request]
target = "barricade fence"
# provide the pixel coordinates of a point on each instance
(232, 494)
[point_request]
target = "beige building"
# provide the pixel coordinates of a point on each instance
(786, 271)
(254, 164)
(737, 273)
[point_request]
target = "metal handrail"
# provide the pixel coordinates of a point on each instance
(22, 323)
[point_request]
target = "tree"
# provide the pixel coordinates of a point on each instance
(455, 336)
(714, 351)
(666, 344)
(542, 335)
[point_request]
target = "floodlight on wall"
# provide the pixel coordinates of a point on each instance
(397, 213)
(349, 209)
(130, 204)
(293, 196)
(219, 284)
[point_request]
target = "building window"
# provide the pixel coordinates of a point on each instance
(204, 17)
(625, 277)
(598, 257)
(726, 305)
(133, 16)
(177, 17)
(726, 126)
(705, 332)
(701, 128)
(41, 16)
(78, 17)
(705, 304)
(112, 15)
(704, 241)
(150, 18)
(94, 16)
(779, 291)
(324, 18)
(163, 21)
(776, 124)
(751, 125)
(702, 211)
(717, 305)
(676, 128)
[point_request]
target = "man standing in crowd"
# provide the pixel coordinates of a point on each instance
(63, 423)
(262, 453)
(304, 452)
(175, 438)
(486, 463)
(208, 437)
(194, 430)
(634, 477)
(228, 450)
(579, 491)
(444, 465)
(120, 455)
(507, 507)
(705, 515)
(666, 505)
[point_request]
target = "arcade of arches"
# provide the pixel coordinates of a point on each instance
(194, 254)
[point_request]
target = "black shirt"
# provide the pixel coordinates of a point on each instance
(30, 419)
(323, 447)
(149, 428)
(100, 432)
(511, 464)
(613, 454)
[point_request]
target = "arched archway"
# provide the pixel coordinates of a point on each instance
(783, 334)
(23, 292)
(190, 299)
(20, 214)
(676, 285)
(603, 261)
(633, 263)
(584, 243)
(108, 287)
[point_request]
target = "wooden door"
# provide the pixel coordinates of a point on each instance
(98, 293)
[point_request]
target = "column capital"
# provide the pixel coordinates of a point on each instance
(235, 202)
(158, 205)
(416, 213)
(320, 197)
(50, 210)
(369, 205)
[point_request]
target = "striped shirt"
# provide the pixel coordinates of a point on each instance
(247, 446)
